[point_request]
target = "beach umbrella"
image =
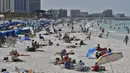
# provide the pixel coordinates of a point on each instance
(90, 51)
(109, 57)
(19, 25)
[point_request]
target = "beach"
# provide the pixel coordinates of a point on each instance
(42, 61)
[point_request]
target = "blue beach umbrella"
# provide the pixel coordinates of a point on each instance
(90, 51)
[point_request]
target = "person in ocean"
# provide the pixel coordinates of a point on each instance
(118, 28)
(126, 39)
(127, 30)
(110, 26)
(114, 28)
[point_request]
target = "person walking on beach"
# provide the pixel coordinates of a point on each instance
(72, 28)
(103, 30)
(126, 39)
(107, 34)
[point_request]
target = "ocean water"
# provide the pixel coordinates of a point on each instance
(117, 30)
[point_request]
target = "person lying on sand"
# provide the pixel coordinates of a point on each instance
(41, 37)
(58, 61)
(100, 35)
(64, 53)
(50, 43)
(31, 49)
(73, 46)
(16, 54)
(82, 43)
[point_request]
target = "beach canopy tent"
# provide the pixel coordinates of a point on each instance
(18, 31)
(27, 29)
(90, 51)
(2, 17)
(2, 26)
(14, 32)
(8, 33)
(12, 23)
(45, 23)
(34, 23)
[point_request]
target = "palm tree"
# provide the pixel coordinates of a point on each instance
(43, 11)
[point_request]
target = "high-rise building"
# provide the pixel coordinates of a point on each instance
(58, 12)
(34, 5)
(108, 13)
(120, 15)
(84, 14)
(75, 13)
(6, 5)
(53, 12)
(62, 12)
(1, 6)
(19, 5)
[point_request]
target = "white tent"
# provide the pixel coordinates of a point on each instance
(1, 17)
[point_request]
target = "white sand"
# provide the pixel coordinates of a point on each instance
(41, 61)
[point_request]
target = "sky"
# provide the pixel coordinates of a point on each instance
(91, 6)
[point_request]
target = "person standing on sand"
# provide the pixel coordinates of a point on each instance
(107, 34)
(103, 30)
(72, 28)
(126, 39)
(127, 30)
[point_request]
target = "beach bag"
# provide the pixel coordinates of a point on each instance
(67, 65)
(102, 68)
(85, 69)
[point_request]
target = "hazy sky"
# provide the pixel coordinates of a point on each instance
(91, 6)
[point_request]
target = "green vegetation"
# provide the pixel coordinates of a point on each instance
(14, 15)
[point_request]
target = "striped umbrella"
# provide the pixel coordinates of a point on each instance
(109, 57)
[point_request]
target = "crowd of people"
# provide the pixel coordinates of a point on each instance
(70, 63)
(65, 58)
